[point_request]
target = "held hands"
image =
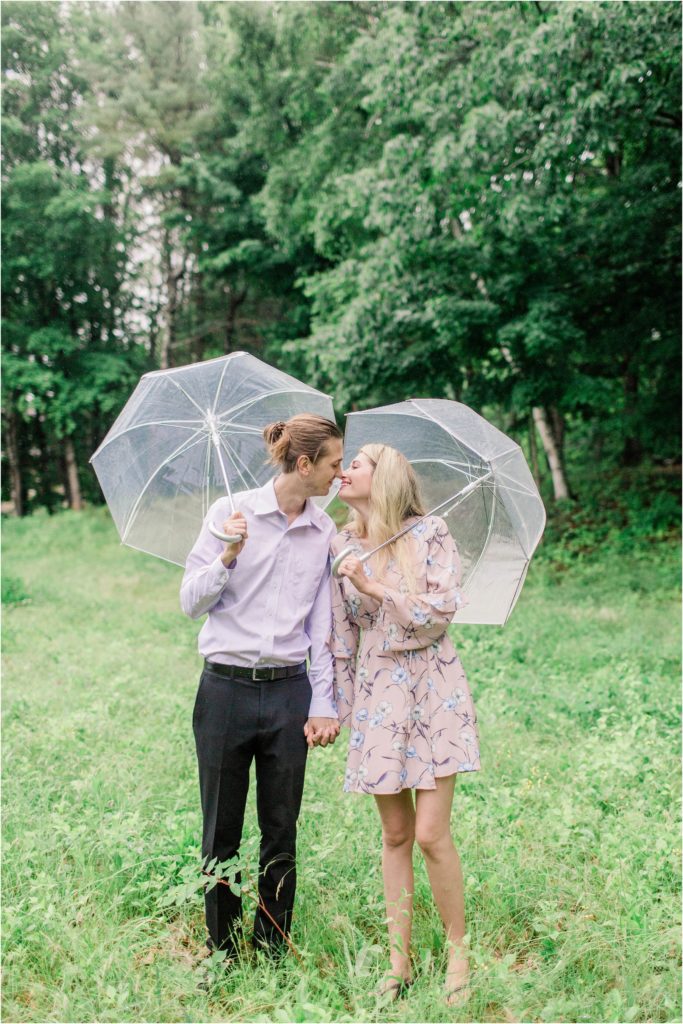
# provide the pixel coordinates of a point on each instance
(321, 731)
(234, 525)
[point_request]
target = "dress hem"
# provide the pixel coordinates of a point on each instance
(394, 792)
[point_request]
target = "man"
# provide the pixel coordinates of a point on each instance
(268, 602)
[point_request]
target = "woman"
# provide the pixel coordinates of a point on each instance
(400, 687)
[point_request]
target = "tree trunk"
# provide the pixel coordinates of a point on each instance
(168, 338)
(201, 336)
(46, 467)
(113, 258)
(613, 163)
(553, 453)
(632, 452)
(155, 326)
(13, 458)
(533, 452)
(236, 300)
(75, 501)
(557, 420)
(172, 277)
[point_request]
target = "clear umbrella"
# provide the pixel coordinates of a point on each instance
(188, 436)
(477, 479)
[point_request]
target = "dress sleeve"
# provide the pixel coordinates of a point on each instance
(344, 639)
(320, 670)
(413, 620)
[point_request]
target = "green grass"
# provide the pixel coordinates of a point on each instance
(569, 836)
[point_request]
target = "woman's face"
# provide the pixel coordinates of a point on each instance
(357, 479)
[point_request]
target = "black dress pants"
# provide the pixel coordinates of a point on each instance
(236, 721)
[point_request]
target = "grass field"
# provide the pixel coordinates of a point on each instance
(569, 836)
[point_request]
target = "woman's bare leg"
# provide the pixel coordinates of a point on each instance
(398, 836)
(433, 834)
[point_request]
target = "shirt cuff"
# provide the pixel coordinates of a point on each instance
(321, 707)
(218, 574)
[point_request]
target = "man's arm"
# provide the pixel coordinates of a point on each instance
(208, 565)
(323, 724)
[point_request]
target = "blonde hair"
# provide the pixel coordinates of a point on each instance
(305, 434)
(394, 497)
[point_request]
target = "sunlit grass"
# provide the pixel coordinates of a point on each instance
(569, 836)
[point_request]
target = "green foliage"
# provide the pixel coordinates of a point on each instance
(13, 590)
(494, 233)
(66, 363)
(465, 200)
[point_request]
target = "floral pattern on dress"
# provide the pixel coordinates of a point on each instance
(399, 684)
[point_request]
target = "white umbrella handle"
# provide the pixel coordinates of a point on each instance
(228, 538)
(345, 554)
(218, 534)
(456, 499)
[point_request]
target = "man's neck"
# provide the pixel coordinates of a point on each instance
(290, 494)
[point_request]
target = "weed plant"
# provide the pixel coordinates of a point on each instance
(569, 836)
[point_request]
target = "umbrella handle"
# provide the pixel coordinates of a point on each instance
(340, 558)
(228, 538)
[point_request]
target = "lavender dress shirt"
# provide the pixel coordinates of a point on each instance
(273, 605)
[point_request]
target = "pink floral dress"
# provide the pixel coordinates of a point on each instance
(399, 684)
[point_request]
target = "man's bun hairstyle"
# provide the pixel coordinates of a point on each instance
(305, 434)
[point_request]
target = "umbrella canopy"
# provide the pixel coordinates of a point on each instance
(474, 477)
(187, 436)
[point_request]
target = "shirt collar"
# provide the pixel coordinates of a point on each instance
(265, 503)
(265, 500)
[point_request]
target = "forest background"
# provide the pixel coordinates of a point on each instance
(478, 201)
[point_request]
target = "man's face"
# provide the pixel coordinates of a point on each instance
(327, 468)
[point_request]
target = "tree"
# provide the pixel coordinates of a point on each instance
(65, 360)
(472, 239)
(469, 200)
(146, 66)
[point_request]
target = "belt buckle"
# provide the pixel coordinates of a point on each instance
(266, 673)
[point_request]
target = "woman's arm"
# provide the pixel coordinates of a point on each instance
(415, 619)
(344, 639)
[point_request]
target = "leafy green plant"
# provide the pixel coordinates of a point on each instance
(13, 590)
